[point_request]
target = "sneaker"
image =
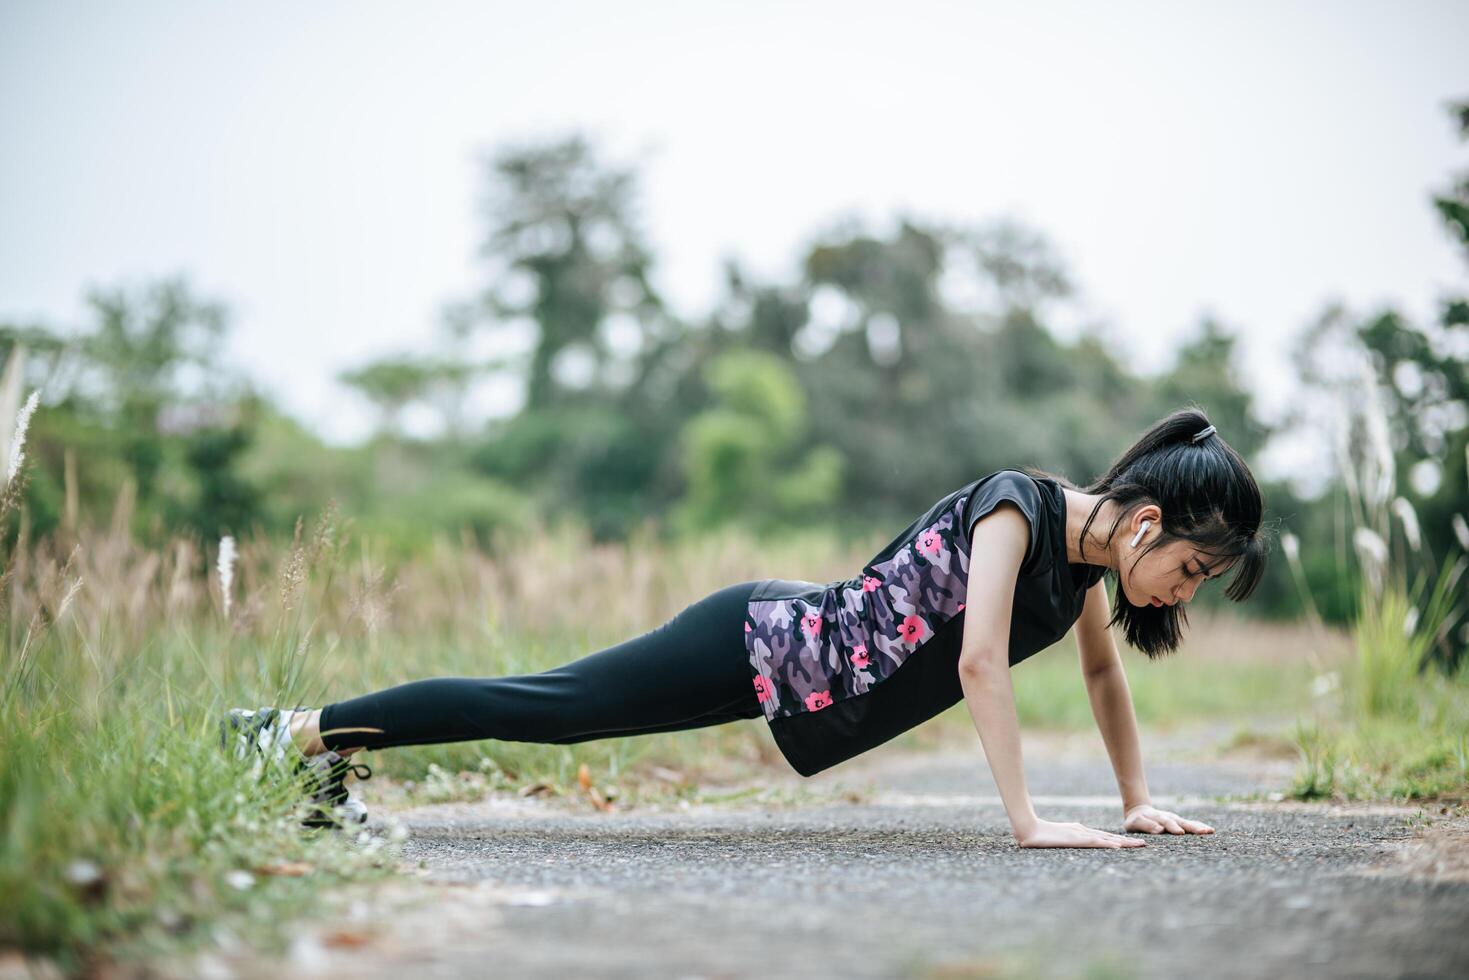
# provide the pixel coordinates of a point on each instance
(265, 735)
(332, 804)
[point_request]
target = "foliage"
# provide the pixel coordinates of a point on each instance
(1403, 711)
(566, 253)
(139, 401)
(898, 364)
(128, 830)
(126, 826)
(394, 383)
(749, 458)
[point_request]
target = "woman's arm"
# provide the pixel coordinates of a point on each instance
(997, 548)
(1106, 687)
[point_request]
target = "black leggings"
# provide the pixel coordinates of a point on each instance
(688, 673)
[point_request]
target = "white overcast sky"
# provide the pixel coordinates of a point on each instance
(315, 165)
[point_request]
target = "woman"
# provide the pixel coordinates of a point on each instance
(837, 669)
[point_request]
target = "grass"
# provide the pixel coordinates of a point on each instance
(1227, 668)
(127, 830)
(1394, 718)
(129, 833)
(1397, 727)
(1049, 689)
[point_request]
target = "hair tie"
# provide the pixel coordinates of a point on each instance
(1203, 434)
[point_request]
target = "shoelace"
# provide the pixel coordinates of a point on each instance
(336, 774)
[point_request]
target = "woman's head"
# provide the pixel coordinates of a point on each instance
(1187, 509)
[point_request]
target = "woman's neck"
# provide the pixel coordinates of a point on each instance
(1078, 507)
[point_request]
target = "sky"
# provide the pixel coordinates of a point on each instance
(320, 167)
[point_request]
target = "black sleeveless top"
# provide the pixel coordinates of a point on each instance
(843, 667)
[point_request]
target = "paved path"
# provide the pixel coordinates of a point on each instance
(903, 866)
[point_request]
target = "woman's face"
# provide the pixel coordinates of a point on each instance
(1168, 574)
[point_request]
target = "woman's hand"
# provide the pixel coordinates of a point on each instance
(1048, 834)
(1148, 819)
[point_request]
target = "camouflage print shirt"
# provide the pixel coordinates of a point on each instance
(843, 667)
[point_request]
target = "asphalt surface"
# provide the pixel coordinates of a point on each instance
(904, 866)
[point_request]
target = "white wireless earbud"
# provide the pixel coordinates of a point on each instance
(1139, 535)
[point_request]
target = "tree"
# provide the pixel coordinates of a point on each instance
(1205, 373)
(1423, 378)
(749, 459)
(567, 255)
(394, 383)
(136, 364)
(226, 502)
(139, 395)
(924, 386)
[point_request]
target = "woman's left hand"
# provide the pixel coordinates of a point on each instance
(1148, 819)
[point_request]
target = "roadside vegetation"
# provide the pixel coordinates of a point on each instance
(155, 572)
(129, 831)
(1393, 718)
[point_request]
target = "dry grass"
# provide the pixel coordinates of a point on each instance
(107, 720)
(1223, 637)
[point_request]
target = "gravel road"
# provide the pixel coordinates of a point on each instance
(902, 865)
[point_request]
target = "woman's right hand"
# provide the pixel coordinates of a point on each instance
(1045, 833)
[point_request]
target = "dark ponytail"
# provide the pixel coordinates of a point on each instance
(1208, 497)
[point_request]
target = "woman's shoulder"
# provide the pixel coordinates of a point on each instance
(1013, 477)
(1004, 484)
(1026, 492)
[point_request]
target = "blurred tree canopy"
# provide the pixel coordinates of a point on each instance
(138, 406)
(891, 366)
(1423, 370)
(750, 457)
(1419, 371)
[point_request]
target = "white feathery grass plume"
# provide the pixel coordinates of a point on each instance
(227, 557)
(18, 441)
(10, 382)
(1461, 530)
(1372, 552)
(1384, 463)
(1341, 444)
(1409, 518)
(71, 594)
(1292, 547)
(1410, 621)
(1324, 684)
(1370, 543)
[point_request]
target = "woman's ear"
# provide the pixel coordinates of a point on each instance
(1144, 519)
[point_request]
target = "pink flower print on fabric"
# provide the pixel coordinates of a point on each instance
(961, 609)
(818, 645)
(912, 629)
(762, 689)
(747, 627)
